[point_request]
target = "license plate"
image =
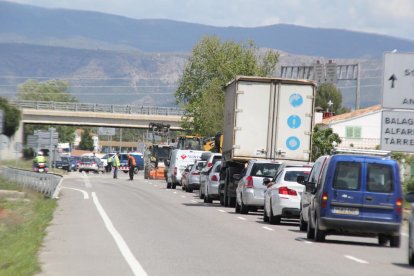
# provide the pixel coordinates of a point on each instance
(346, 211)
(40, 170)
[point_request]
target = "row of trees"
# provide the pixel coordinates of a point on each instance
(213, 63)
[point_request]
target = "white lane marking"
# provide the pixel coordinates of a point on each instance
(133, 263)
(183, 196)
(174, 192)
(85, 194)
(86, 180)
(221, 211)
(193, 201)
(268, 228)
(355, 259)
(242, 218)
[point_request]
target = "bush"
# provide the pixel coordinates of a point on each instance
(409, 185)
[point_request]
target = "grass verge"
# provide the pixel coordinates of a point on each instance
(23, 221)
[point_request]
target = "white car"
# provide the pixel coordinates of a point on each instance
(410, 198)
(250, 189)
(282, 197)
(210, 158)
(193, 178)
(212, 183)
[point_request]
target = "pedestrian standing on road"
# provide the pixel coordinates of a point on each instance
(131, 164)
(116, 164)
(109, 166)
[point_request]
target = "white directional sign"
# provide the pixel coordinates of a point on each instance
(398, 83)
(397, 131)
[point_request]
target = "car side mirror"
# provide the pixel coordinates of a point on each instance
(266, 181)
(310, 187)
(300, 179)
(409, 197)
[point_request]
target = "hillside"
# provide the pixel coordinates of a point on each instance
(114, 59)
(92, 30)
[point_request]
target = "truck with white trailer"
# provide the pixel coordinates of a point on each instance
(264, 118)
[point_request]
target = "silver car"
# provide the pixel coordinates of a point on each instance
(410, 198)
(212, 183)
(250, 189)
(193, 177)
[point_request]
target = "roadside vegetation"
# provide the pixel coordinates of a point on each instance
(24, 216)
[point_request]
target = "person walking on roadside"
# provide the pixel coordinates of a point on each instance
(131, 164)
(116, 164)
(109, 166)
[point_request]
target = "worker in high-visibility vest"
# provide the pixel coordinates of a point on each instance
(116, 164)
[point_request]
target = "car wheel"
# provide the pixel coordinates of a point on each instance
(382, 239)
(265, 216)
(395, 241)
(221, 200)
(273, 219)
(190, 190)
(205, 199)
(310, 233)
(243, 208)
(319, 234)
(410, 250)
(173, 185)
(168, 185)
(302, 224)
(236, 208)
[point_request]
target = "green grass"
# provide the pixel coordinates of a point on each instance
(22, 228)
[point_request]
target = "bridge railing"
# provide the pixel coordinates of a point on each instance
(46, 183)
(93, 107)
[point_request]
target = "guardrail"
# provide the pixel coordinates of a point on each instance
(93, 107)
(46, 183)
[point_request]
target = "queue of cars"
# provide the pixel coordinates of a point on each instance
(346, 193)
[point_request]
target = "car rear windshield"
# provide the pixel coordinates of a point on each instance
(200, 165)
(292, 176)
(347, 176)
(87, 159)
(264, 169)
(379, 178)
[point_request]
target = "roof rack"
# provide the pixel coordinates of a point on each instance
(362, 151)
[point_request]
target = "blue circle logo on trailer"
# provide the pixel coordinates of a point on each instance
(294, 121)
(292, 143)
(296, 100)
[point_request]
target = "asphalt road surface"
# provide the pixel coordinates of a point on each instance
(106, 226)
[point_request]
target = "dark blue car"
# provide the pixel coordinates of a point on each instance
(355, 194)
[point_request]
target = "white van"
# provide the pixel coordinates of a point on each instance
(178, 162)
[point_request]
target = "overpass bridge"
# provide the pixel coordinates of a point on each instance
(99, 115)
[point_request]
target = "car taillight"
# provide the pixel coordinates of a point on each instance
(195, 173)
(175, 170)
(214, 178)
(209, 164)
(287, 191)
(249, 183)
(399, 204)
(324, 201)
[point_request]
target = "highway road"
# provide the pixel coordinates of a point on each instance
(106, 226)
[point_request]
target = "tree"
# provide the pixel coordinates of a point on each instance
(326, 93)
(211, 65)
(53, 90)
(12, 117)
(86, 142)
(322, 141)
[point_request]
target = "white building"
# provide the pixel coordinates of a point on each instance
(357, 129)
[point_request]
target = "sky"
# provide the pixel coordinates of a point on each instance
(389, 17)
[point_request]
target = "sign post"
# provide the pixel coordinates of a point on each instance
(397, 126)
